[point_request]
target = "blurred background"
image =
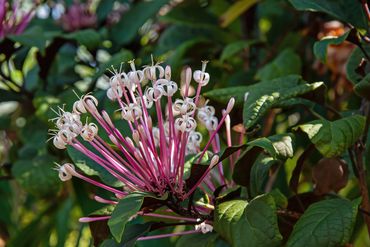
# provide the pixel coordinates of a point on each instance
(49, 48)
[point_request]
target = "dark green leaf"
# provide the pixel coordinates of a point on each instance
(320, 47)
(88, 37)
(264, 95)
(197, 240)
(223, 95)
(234, 48)
(104, 8)
(133, 232)
(37, 176)
(363, 87)
(348, 11)
(286, 63)
(353, 74)
(126, 29)
(255, 223)
(259, 174)
(327, 223)
(122, 214)
(115, 61)
(278, 146)
(34, 37)
(333, 138)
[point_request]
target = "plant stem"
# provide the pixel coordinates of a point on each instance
(366, 9)
(365, 205)
(359, 149)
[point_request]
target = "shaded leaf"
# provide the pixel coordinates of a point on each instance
(320, 47)
(348, 11)
(363, 87)
(235, 11)
(333, 138)
(325, 223)
(88, 37)
(223, 95)
(233, 48)
(244, 163)
(353, 63)
(255, 223)
(133, 232)
(126, 29)
(36, 175)
(286, 63)
(115, 61)
(197, 240)
(259, 175)
(122, 213)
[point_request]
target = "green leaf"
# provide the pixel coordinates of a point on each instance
(354, 61)
(223, 95)
(235, 11)
(133, 232)
(37, 176)
(126, 29)
(363, 87)
(115, 61)
(121, 215)
(265, 95)
(320, 47)
(347, 11)
(259, 174)
(233, 48)
(34, 37)
(255, 223)
(287, 63)
(278, 146)
(104, 9)
(88, 37)
(91, 168)
(197, 240)
(333, 138)
(326, 223)
(283, 145)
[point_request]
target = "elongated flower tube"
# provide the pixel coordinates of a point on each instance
(13, 20)
(152, 159)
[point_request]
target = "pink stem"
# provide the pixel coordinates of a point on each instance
(168, 235)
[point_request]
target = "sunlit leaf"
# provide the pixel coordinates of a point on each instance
(333, 138)
(255, 223)
(327, 223)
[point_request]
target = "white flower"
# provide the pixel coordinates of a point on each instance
(115, 92)
(66, 171)
(169, 88)
(204, 228)
(89, 132)
(131, 112)
(184, 107)
(185, 124)
(153, 72)
(200, 76)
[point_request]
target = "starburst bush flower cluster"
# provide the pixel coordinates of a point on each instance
(153, 159)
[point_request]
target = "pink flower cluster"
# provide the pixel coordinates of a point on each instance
(13, 20)
(153, 159)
